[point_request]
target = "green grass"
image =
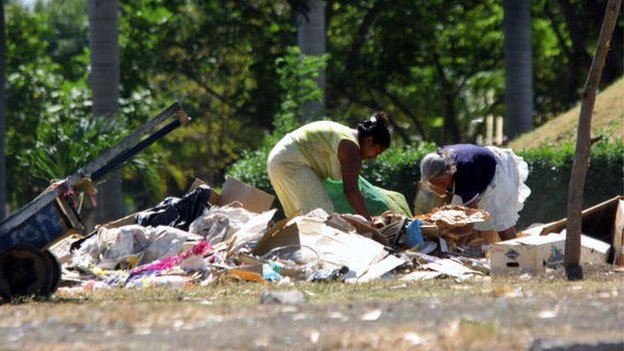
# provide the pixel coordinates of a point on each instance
(245, 293)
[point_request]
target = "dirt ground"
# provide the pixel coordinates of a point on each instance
(483, 313)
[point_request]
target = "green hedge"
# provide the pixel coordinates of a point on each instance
(549, 176)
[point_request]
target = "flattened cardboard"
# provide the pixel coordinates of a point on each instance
(365, 230)
(380, 268)
(252, 199)
(236, 192)
(333, 247)
(277, 236)
(451, 268)
(420, 275)
(127, 220)
(61, 249)
(529, 254)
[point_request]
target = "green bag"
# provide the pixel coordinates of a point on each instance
(377, 200)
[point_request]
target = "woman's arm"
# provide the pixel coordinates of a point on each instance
(351, 163)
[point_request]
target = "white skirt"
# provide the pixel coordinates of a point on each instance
(505, 195)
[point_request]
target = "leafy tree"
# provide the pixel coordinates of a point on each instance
(68, 138)
(217, 59)
(297, 73)
(564, 38)
(419, 61)
(437, 68)
(32, 79)
(47, 111)
(68, 36)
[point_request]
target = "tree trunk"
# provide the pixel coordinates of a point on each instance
(518, 67)
(583, 145)
(104, 45)
(3, 174)
(451, 126)
(312, 42)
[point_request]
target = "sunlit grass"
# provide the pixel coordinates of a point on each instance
(607, 119)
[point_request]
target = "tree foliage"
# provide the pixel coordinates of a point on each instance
(296, 75)
(436, 66)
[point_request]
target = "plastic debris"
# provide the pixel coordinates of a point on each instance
(290, 297)
(326, 275)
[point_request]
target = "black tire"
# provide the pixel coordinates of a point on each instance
(55, 274)
(25, 271)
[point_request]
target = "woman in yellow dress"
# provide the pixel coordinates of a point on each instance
(303, 159)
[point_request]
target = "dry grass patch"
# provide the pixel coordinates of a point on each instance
(607, 120)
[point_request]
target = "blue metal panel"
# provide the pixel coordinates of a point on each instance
(41, 229)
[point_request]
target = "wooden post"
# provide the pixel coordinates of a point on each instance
(499, 130)
(583, 145)
(489, 121)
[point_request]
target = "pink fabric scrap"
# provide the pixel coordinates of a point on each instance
(167, 263)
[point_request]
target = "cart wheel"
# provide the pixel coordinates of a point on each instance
(24, 271)
(55, 274)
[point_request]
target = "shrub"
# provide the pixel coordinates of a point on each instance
(549, 175)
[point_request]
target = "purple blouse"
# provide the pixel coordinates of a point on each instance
(476, 166)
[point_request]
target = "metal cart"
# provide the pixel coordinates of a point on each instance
(27, 267)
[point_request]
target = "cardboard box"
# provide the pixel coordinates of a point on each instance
(530, 254)
(592, 250)
(236, 192)
(604, 221)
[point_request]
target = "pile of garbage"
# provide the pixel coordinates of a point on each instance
(205, 237)
(184, 241)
